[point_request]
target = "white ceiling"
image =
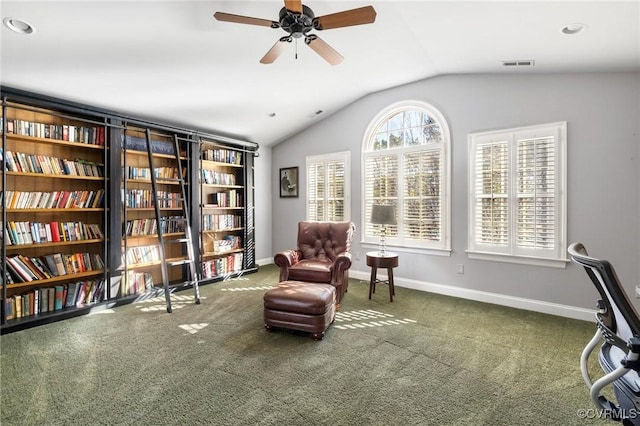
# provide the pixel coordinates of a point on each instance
(171, 61)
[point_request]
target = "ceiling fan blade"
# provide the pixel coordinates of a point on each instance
(327, 52)
(274, 52)
(239, 19)
(293, 5)
(347, 18)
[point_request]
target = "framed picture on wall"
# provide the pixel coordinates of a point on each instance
(288, 182)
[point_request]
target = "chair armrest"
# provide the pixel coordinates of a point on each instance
(286, 259)
(340, 265)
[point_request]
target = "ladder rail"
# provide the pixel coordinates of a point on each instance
(193, 274)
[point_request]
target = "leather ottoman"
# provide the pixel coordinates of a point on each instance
(302, 306)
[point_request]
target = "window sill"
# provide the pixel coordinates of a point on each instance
(525, 260)
(402, 249)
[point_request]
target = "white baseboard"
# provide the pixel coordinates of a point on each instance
(483, 296)
(264, 262)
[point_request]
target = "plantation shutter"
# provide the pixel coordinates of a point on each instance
(327, 187)
(517, 195)
(422, 213)
(335, 196)
(536, 210)
(491, 194)
(381, 187)
(316, 180)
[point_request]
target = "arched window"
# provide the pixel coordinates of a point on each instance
(406, 164)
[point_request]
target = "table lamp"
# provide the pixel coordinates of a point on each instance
(383, 215)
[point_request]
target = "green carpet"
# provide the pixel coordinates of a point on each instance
(424, 359)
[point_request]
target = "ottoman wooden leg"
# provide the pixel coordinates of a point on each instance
(268, 327)
(317, 336)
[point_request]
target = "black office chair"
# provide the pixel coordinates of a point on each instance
(618, 329)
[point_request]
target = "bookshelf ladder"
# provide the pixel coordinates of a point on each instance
(187, 240)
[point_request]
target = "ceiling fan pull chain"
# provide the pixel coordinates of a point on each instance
(296, 48)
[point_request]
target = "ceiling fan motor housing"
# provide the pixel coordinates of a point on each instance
(297, 24)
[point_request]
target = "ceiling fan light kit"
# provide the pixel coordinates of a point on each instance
(298, 20)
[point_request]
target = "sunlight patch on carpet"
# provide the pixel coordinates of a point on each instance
(162, 307)
(367, 319)
(262, 288)
(193, 328)
(174, 298)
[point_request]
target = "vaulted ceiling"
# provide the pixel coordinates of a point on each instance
(171, 61)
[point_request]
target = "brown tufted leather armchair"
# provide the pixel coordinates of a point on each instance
(323, 255)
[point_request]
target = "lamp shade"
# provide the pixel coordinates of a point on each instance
(383, 215)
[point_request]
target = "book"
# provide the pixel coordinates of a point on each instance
(9, 308)
(51, 298)
(59, 294)
(44, 300)
(59, 261)
(72, 292)
(51, 264)
(55, 231)
(17, 299)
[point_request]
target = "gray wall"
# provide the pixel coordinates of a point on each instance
(262, 179)
(602, 113)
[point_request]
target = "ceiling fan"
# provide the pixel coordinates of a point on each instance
(297, 20)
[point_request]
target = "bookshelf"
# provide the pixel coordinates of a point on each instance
(222, 204)
(76, 195)
(53, 212)
(141, 244)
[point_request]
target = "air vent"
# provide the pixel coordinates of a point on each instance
(524, 63)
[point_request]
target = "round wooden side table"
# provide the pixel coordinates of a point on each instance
(388, 261)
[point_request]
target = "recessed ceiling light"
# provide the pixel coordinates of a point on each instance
(18, 26)
(574, 28)
(519, 63)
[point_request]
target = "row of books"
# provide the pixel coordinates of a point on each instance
(144, 227)
(213, 177)
(43, 300)
(52, 200)
(136, 283)
(140, 144)
(43, 164)
(222, 266)
(231, 198)
(220, 222)
(141, 254)
(144, 173)
(222, 156)
(23, 269)
(63, 132)
(38, 232)
(142, 198)
(226, 244)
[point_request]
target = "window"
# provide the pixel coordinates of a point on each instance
(517, 196)
(406, 164)
(328, 187)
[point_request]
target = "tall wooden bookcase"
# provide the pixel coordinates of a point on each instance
(140, 245)
(76, 189)
(54, 211)
(222, 204)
